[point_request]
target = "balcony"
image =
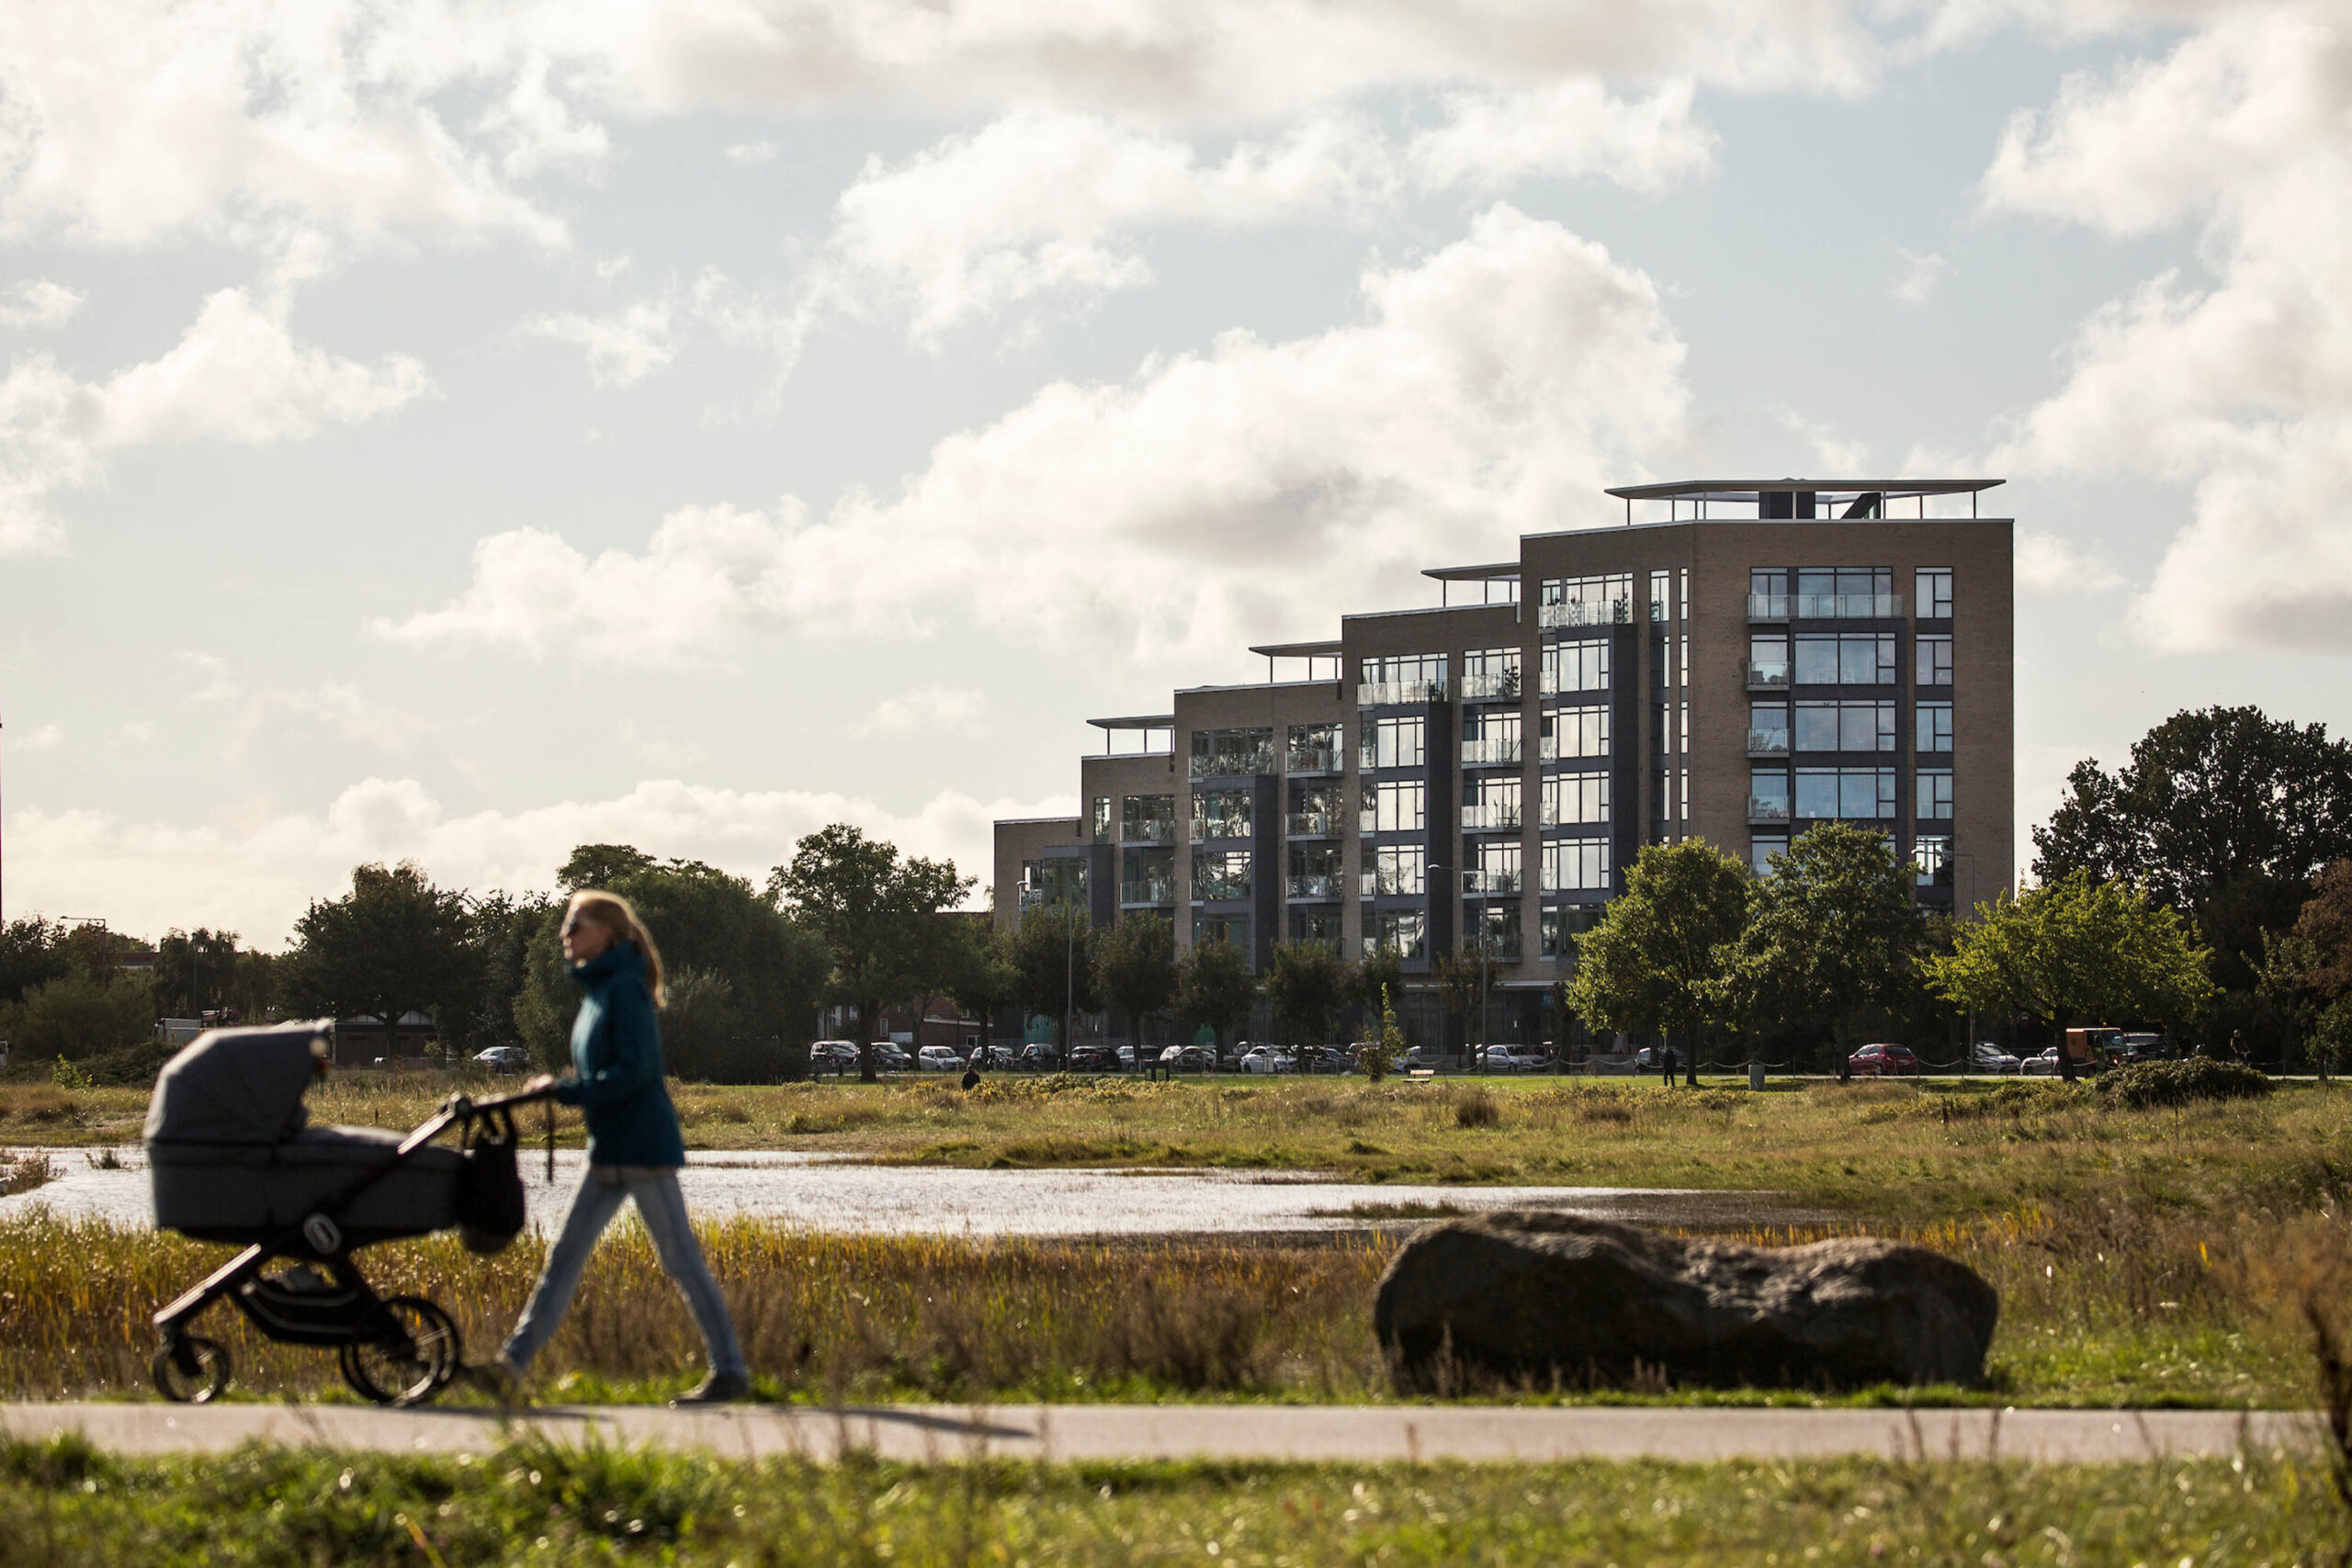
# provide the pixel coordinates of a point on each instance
(1491, 817)
(1213, 888)
(1768, 606)
(1491, 751)
(1768, 742)
(1551, 750)
(1221, 828)
(1234, 764)
(1591, 613)
(1550, 686)
(1497, 686)
(1764, 676)
(1313, 760)
(1763, 812)
(1319, 887)
(1389, 884)
(1146, 892)
(1312, 825)
(1476, 883)
(1399, 694)
(1155, 831)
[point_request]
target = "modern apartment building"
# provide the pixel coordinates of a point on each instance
(1740, 659)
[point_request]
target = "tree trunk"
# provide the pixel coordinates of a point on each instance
(1841, 1037)
(2066, 1056)
(867, 1014)
(1690, 1063)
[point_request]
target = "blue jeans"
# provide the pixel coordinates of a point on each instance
(663, 1208)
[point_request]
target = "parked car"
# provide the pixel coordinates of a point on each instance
(939, 1059)
(1126, 1057)
(1427, 1058)
(1093, 1059)
(889, 1058)
(1188, 1059)
(1039, 1058)
(1987, 1057)
(2143, 1048)
(1884, 1061)
(839, 1055)
(1266, 1059)
(2043, 1065)
(1644, 1060)
(1512, 1059)
(998, 1058)
(497, 1060)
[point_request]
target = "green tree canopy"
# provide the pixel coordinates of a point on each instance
(976, 965)
(2223, 814)
(1374, 981)
(1134, 971)
(1832, 935)
(1215, 987)
(394, 945)
(601, 865)
(875, 912)
(1053, 955)
(2081, 950)
(1661, 956)
(1465, 977)
(1305, 982)
(31, 951)
(74, 1015)
(503, 928)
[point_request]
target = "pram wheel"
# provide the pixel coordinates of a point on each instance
(191, 1371)
(409, 1363)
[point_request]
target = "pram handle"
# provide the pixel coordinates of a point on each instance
(459, 1106)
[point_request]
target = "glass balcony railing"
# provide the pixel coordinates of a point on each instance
(1494, 818)
(1551, 685)
(1152, 830)
(1206, 889)
(1389, 884)
(1234, 764)
(1499, 685)
(1399, 694)
(1478, 883)
(1220, 827)
(1147, 890)
(1320, 885)
(1824, 607)
(1587, 612)
(1768, 742)
(1766, 676)
(1768, 606)
(1491, 751)
(1761, 810)
(1312, 825)
(1552, 817)
(1313, 760)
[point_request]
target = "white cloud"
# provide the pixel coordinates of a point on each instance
(1489, 390)
(1916, 283)
(751, 153)
(623, 345)
(257, 876)
(37, 303)
(929, 710)
(643, 337)
(339, 707)
(237, 374)
(2241, 389)
(41, 740)
(2049, 564)
(539, 130)
(1572, 129)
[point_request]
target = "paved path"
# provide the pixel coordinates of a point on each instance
(1201, 1431)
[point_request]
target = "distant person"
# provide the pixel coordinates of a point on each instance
(2237, 1047)
(633, 1146)
(1667, 1060)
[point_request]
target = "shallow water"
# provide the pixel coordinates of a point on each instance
(827, 1193)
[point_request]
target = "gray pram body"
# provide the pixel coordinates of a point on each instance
(230, 1157)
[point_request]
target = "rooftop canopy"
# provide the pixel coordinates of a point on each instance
(1297, 649)
(1497, 570)
(1766, 499)
(1751, 490)
(1136, 721)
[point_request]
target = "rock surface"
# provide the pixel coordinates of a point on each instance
(1523, 1294)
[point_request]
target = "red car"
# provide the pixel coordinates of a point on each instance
(1884, 1061)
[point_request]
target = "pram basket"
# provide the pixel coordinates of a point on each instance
(231, 1158)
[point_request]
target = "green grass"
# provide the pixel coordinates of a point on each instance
(539, 1503)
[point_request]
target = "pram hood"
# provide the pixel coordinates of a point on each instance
(238, 1086)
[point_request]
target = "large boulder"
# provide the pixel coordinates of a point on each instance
(1535, 1296)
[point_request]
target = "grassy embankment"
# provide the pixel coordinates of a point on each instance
(2142, 1255)
(67, 1505)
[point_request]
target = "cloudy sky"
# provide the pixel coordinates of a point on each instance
(457, 431)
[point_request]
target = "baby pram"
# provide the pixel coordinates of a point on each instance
(232, 1159)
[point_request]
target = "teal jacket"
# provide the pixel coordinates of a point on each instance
(616, 1051)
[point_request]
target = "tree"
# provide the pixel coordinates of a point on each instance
(1378, 1055)
(31, 951)
(1660, 958)
(1134, 971)
(1831, 935)
(870, 907)
(501, 929)
(2080, 949)
(1465, 977)
(977, 968)
(1053, 955)
(2307, 973)
(74, 1015)
(1374, 981)
(2222, 814)
(1214, 987)
(394, 945)
(1305, 981)
(601, 865)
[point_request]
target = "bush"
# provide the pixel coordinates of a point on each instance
(2146, 1084)
(76, 1016)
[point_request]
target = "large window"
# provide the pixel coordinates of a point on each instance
(1401, 931)
(1934, 587)
(1098, 817)
(1577, 664)
(1935, 726)
(1315, 871)
(1576, 865)
(1761, 848)
(1393, 742)
(1392, 807)
(1574, 732)
(1061, 880)
(1220, 874)
(1845, 593)
(1403, 678)
(1768, 728)
(1147, 819)
(1232, 752)
(1587, 600)
(1563, 927)
(1221, 813)
(1768, 794)
(1493, 866)
(1489, 672)
(1844, 659)
(1574, 799)
(1394, 869)
(1230, 928)
(1308, 924)
(1934, 794)
(1933, 661)
(1147, 877)
(1490, 738)
(1767, 661)
(1490, 802)
(1931, 854)
(1845, 726)
(1313, 749)
(1314, 810)
(1494, 931)
(1853, 794)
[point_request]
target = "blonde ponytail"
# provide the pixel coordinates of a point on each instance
(617, 915)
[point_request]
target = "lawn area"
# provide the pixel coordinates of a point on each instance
(67, 1504)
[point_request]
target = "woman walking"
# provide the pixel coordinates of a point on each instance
(634, 1145)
